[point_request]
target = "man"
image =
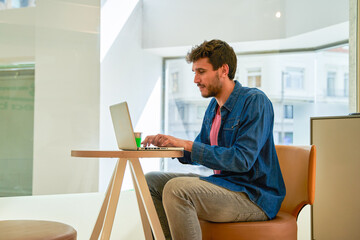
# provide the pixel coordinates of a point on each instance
(235, 140)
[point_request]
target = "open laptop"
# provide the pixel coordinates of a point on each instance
(124, 130)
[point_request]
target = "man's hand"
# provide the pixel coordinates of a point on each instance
(162, 140)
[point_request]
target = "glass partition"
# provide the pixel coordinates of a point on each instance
(60, 40)
(17, 129)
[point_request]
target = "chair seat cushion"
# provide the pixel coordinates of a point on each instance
(35, 230)
(283, 226)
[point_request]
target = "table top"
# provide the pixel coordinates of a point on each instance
(126, 154)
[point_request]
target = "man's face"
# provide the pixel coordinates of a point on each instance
(206, 78)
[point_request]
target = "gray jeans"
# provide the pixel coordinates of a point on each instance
(180, 199)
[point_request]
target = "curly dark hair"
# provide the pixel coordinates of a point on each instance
(218, 52)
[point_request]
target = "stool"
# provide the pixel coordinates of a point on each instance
(35, 230)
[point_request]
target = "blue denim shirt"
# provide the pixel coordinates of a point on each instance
(246, 152)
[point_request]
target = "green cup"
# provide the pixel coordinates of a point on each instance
(138, 138)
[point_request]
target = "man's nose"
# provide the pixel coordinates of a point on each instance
(196, 79)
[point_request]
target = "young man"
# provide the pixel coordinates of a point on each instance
(236, 140)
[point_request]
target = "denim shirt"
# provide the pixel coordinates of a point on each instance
(246, 152)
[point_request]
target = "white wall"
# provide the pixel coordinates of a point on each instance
(309, 15)
(185, 23)
(66, 95)
(129, 73)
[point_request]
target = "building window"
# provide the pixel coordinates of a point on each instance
(331, 83)
(285, 138)
(346, 85)
(288, 111)
(294, 78)
(254, 77)
(175, 82)
(288, 138)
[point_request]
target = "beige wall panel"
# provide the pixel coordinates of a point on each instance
(336, 209)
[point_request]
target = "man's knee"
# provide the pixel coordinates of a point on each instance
(169, 192)
(176, 190)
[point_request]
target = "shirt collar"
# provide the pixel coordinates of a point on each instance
(231, 101)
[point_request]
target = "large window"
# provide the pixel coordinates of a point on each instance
(299, 84)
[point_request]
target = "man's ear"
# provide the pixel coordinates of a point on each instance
(224, 70)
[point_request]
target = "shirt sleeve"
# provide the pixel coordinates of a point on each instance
(186, 159)
(253, 129)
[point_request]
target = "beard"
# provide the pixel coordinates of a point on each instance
(213, 88)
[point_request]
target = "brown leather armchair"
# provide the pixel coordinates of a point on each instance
(297, 164)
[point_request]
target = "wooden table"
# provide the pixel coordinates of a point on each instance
(149, 217)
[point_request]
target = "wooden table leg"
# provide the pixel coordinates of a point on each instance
(146, 199)
(144, 219)
(114, 198)
(100, 219)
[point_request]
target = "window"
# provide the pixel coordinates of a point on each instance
(292, 71)
(288, 112)
(285, 138)
(331, 83)
(254, 77)
(175, 82)
(346, 85)
(294, 96)
(294, 78)
(288, 138)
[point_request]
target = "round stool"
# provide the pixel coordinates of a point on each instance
(35, 230)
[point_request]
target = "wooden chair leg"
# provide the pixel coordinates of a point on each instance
(144, 219)
(114, 198)
(146, 199)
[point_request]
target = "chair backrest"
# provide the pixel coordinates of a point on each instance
(297, 165)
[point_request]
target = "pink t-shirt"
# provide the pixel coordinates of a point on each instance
(214, 132)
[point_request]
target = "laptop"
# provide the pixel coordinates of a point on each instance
(124, 130)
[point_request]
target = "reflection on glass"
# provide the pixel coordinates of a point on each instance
(16, 128)
(7, 4)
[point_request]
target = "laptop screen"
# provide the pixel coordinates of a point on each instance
(122, 126)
